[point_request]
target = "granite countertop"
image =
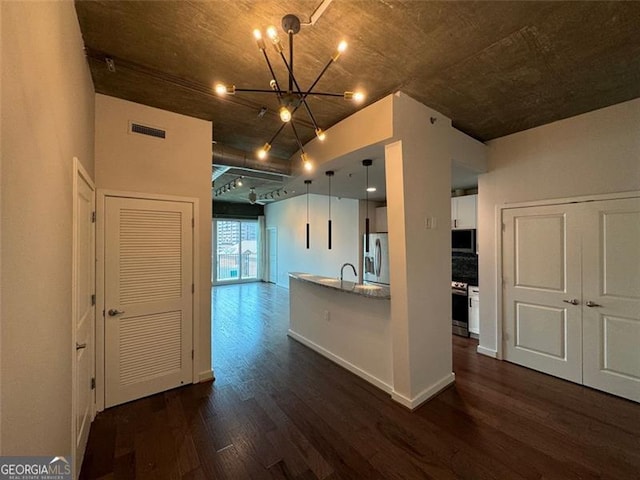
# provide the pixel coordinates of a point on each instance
(367, 290)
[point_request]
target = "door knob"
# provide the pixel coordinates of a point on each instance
(80, 346)
(573, 301)
(113, 312)
(591, 304)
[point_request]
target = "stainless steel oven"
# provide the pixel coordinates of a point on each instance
(460, 308)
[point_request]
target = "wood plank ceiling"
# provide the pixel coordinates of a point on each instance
(494, 68)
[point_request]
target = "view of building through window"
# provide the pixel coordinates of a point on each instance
(236, 250)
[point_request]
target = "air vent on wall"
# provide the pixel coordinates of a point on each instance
(145, 130)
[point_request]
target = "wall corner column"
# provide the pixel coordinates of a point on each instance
(418, 183)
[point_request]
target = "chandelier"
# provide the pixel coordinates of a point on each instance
(292, 97)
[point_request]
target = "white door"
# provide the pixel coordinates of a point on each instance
(83, 312)
(148, 297)
(542, 290)
(572, 292)
(272, 249)
(611, 312)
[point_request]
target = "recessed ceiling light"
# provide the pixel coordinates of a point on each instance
(371, 189)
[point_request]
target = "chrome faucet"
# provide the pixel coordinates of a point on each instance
(352, 267)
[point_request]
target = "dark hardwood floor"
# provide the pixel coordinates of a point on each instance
(278, 410)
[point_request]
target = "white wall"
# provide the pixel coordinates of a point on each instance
(418, 179)
(178, 165)
(468, 152)
(47, 119)
(368, 126)
(593, 153)
(353, 330)
(290, 217)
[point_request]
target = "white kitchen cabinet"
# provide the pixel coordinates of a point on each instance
(381, 219)
(474, 310)
(463, 212)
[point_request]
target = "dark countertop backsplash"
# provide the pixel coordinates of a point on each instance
(464, 268)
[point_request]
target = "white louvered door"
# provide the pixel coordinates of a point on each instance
(148, 297)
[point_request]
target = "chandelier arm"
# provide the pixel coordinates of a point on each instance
(281, 92)
(295, 132)
(291, 62)
(302, 97)
(326, 67)
(273, 74)
(259, 90)
(323, 94)
(275, 135)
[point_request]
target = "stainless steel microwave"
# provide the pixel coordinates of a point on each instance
(463, 241)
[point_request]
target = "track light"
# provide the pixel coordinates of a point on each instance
(227, 187)
(320, 134)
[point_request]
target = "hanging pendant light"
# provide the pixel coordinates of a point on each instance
(367, 163)
(307, 183)
(329, 173)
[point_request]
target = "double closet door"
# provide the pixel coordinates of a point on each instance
(571, 292)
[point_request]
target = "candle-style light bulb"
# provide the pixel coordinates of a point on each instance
(222, 89)
(262, 153)
(306, 162)
(342, 47)
(257, 34)
(285, 114)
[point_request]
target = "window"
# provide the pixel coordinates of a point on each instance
(236, 250)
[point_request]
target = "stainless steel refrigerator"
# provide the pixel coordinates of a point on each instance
(376, 261)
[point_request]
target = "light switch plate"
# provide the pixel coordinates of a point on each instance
(430, 223)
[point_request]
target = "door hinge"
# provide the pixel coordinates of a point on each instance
(193, 288)
(93, 383)
(504, 227)
(93, 299)
(93, 217)
(193, 223)
(191, 354)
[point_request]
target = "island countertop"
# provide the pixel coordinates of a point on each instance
(365, 290)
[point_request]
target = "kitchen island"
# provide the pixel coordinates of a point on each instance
(346, 322)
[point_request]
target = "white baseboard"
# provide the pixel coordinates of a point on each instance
(205, 376)
(487, 351)
(342, 362)
(426, 394)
